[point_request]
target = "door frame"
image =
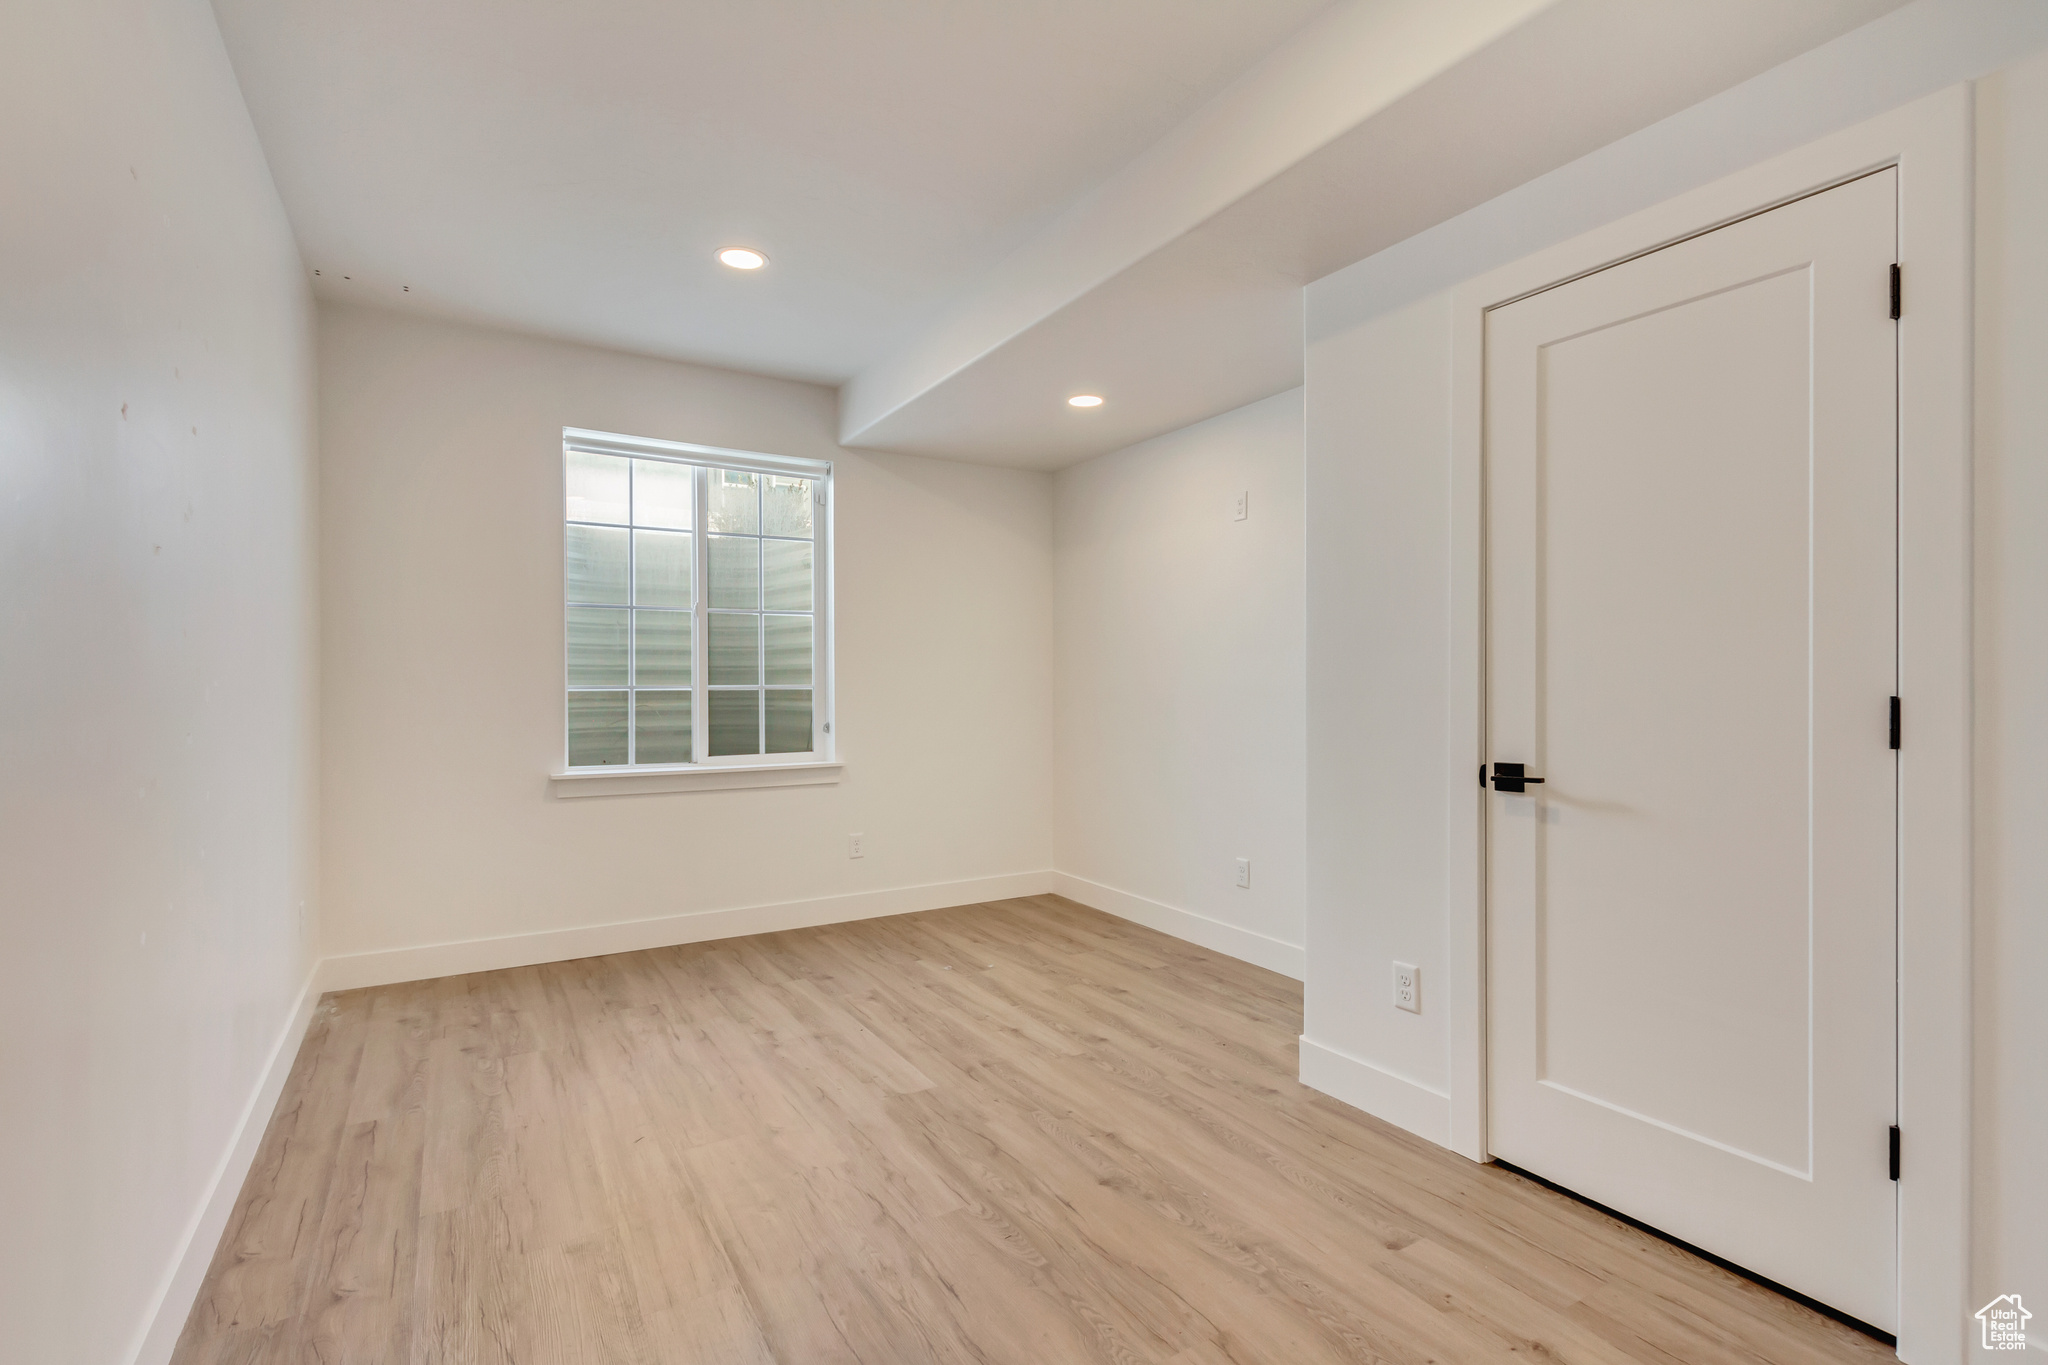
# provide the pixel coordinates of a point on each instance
(1929, 142)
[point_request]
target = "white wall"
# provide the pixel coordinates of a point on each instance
(2012, 688)
(1378, 440)
(442, 616)
(157, 681)
(1180, 681)
(1379, 403)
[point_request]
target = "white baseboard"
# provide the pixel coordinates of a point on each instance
(1288, 959)
(351, 971)
(165, 1319)
(1400, 1101)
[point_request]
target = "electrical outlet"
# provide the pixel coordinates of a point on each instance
(1244, 873)
(1408, 987)
(1244, 506)
(856, 846)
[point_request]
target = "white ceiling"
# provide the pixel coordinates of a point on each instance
(569, 168)
(1175, 289)
(972, 208)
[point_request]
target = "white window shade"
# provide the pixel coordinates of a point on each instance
(611, 443)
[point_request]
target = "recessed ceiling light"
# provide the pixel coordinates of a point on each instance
(742, 258)
(1085, 400)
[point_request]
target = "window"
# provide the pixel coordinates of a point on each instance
(696, 593)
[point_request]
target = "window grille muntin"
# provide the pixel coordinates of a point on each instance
(752, 686)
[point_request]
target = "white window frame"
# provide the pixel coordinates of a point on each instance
(808, 767)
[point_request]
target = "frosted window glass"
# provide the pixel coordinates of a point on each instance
(661, 648)
(735, 722)
(597, 647)
(733, 650)
(661, 569)
(596, 564)
(789, 720)
(662, 494)
(596, 486)
(787, 574)
(788, 648)
(735, 503)
(735, 573)
(785, 507)
(597, 728)
(661, 727)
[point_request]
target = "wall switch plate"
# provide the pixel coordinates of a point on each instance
(1408, 987)
(1244, 873)
(856, 845)
(1244, 506)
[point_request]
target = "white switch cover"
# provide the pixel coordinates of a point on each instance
(1244, 506)
(1408, 987)
(1244, 873)
(856, 845)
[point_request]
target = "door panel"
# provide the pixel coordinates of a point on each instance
(1691, 539)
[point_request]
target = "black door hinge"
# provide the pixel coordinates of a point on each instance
(1898, 292)
(1895, 1151)
(1897, 723)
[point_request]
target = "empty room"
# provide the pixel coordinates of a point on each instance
(1023, 682)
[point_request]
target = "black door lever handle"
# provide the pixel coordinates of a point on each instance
(1509, 777)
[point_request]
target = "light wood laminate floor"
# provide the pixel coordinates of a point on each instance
(1021, 1134)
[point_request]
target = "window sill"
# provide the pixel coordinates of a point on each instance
(646, 781)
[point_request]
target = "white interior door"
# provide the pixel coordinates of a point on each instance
(1691, 492)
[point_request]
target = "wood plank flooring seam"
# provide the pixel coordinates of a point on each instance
(1014, 1133)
